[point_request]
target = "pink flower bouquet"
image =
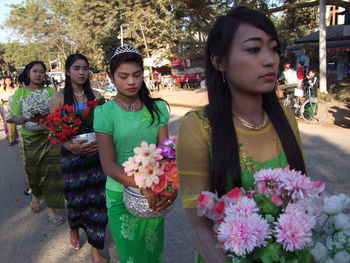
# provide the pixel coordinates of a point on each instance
(275, 222)
(154, 167)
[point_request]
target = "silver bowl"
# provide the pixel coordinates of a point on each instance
(137, 204)
(34, 126)
(90, 137)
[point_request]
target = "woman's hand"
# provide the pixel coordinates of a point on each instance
(82, 148)
(165, 201)
(152, 198)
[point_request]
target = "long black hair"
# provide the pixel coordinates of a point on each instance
(225, 161)
(143, 93)
(12, 84)
(69, 97)
(25, 74)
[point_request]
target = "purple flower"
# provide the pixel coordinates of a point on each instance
(167, 151)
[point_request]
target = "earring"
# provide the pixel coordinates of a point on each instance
(223, 77)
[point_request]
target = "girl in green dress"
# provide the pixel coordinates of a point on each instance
(244, 128)
(121, 125)
(42, 158)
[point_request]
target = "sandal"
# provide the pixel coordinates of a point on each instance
(77, 244)
(56, 220)
(36, 207)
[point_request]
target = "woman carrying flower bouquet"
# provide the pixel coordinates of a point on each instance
(42, 159)
(84, 180)
(121, 125)
(243, 128)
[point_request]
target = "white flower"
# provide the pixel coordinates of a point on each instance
(342, 257)
(341, 221)
(329, 260)
(335, 204)
(319, 251)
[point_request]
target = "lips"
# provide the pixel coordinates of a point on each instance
(269, 76)
(131, 89)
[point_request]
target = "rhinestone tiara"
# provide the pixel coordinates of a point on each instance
(126, 48)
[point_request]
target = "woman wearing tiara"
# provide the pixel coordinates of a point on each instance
(84, 180)
(121, 125)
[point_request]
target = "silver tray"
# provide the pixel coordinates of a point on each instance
(90, 137)
(137, 204)
(34, 126)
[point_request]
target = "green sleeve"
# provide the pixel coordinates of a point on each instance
(102, 123)
(16, 106)
(163, 113)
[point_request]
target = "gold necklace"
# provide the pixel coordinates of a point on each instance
(251, 125)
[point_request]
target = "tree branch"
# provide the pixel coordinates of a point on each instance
(289, 7)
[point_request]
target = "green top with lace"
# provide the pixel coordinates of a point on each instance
(258, 150)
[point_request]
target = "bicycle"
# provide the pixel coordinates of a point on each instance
(312, 110)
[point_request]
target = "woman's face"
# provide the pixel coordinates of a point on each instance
(79, 72)
(253, 62)
(8, 82)
(128, 78)
(37, 74)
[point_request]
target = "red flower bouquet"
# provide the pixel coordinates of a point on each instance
(63, 124)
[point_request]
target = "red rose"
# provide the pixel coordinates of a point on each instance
(57, 120)
(86, 112)
(69, 108)
(66, 119)
(77, 121)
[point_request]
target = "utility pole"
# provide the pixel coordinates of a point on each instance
(322, 48)
(121, 35)
(147, 51)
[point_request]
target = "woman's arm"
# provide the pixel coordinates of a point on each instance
(107, 157)
(204, 237)
(162, 134)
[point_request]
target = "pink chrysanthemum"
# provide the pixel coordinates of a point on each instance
(298, 185)
(294, 228)
(241, 235)
(268, 181)
(244, 207)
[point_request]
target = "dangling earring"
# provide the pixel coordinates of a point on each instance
(223, 77)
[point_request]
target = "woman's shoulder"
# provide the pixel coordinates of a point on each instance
(199, 114)
(106, 107)
(198, 119)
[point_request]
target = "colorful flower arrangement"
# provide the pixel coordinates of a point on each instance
(63, 124)
(277, 221)
(154, 167)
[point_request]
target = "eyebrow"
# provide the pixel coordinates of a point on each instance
(257, 39)
(130, 73)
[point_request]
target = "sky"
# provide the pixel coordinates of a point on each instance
(5, 34)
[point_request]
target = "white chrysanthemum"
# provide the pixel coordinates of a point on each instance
(335, 204)
(319, 252)
(342, 257)
(341, 221)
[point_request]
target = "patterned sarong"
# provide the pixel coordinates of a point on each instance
(43, 167)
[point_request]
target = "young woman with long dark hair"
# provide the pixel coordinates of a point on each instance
(42, 159)
(9, 91)
(121, 125)
(243, 128)
(84, 180)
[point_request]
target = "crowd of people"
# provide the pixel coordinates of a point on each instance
(243, 129)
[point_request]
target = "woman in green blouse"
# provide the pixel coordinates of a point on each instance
(42, 158)
(243, 128)
(121, 125)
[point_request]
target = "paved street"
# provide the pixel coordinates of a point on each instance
(29, 238)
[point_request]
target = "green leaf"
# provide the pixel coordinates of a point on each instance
(266, 205)
(269, 254)
(236, 259)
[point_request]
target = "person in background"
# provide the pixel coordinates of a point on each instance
(300, 74)
(3, 97)
(311, 81)
(288, 78)
(6, 100)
